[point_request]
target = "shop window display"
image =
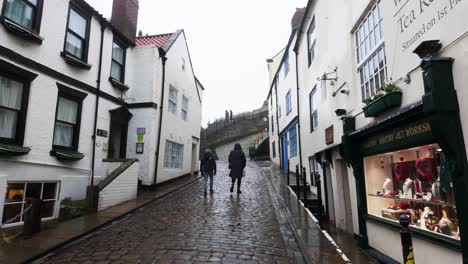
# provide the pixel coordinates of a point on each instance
(413, 181)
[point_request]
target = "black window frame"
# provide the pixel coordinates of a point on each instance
(25, 77)
(36, 28)
(311, 112)
(78, 97)
(124, 48)
(309, 48)
(87, 16)
(274, 149)
(272, 124)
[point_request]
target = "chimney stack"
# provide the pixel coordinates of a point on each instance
(297, 18)
(125, 17)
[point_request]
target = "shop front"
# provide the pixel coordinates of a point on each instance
(413, 162)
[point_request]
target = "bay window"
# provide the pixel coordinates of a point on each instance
(24, 13)
(371, 52)
(76, 39)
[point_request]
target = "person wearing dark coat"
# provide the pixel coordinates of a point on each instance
(208, 169)
(237, 163)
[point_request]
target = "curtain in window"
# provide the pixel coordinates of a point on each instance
(74, 45)
(77, 23)
(117, 53)
(67, 111)
(20, 12)
(11, 93)
(116, 71)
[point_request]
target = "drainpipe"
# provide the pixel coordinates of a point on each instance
(162, 54)
(98, 88)
(298, 110)
(277, 120)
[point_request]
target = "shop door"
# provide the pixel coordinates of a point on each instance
(118, 133)
(285, 152)
(346, 196)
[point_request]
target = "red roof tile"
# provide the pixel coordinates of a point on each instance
(158, 40)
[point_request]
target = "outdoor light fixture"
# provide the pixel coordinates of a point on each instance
(325, 76)
(340, 112)
(428, 48)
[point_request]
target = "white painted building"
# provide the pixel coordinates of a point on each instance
(76, 90)
(347, 55)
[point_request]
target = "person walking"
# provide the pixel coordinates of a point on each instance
(208, 169)
(237, 163)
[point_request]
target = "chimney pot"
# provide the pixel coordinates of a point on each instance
(297, 18)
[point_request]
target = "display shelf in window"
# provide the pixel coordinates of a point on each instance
(413, 181)
(67, 155)
(13, 150)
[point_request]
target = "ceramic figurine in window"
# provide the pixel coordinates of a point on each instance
(407, 190)
(445, 224)
(425, 218)
(387, 186)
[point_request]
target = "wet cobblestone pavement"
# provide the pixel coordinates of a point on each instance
(187, 227)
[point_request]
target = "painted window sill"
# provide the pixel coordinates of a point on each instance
(74, 61)
(67, 155)
(7, 150)
(121, 86)
(21, 31)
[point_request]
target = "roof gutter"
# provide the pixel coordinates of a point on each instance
(162, 54)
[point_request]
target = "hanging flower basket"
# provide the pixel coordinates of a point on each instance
(12, 150)
(389, 100)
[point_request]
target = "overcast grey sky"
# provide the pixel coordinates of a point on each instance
(229, 43)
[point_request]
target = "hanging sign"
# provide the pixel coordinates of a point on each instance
(329, 136)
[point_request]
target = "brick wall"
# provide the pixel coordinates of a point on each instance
(122, 189)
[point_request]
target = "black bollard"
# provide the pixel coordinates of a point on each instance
(32, 218)
(304, 180)
(298, 189)
(406, 241)
(288, 175)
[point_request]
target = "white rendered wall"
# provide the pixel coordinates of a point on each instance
(122, 189)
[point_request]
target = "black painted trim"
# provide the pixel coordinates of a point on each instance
(20, 31)
(447, 242)
(37, 20)
(18, 58)
(77, 94)
(121, 86)
(143, 105)
(87, 14)
(73, 61)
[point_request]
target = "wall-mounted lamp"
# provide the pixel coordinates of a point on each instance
(326, 77)
(340, 112)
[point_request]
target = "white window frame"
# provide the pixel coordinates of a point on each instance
(185, 108)
(288, 102)
(313, 110)
(370, 52)
(23, 202)
(172, 100)
(174, 156)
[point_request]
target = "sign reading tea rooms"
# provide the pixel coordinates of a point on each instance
(410, 22)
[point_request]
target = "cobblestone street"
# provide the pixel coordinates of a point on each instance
(186, 227)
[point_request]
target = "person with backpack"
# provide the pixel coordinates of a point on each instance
(237, 163)
(208, 169)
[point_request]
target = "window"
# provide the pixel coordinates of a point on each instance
(174, 157)
(118, 62)
(25, 13)
(272, 124)
(273, 149)
(13, 95)
(314, 171)
(172, 99)
(271, 101)
(67, 119)
(76, 39)
(313, 110)
(18, 193)
(293, 141)
(413, 181)
(279, 111)
(185, 108)
(311, 39)
(286, 64)
(370, 52)
(288, 102)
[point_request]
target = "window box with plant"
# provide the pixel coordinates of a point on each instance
(387, 98)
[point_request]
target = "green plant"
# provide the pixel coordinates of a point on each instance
(367, 101)
(391, 87)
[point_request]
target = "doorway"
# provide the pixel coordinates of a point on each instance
(346, 196)
(285, 151)
(194, 159)
(118, 133)
(330, 205)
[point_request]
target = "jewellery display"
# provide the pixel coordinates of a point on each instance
(410, 183)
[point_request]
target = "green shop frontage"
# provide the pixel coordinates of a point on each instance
(413, 162)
